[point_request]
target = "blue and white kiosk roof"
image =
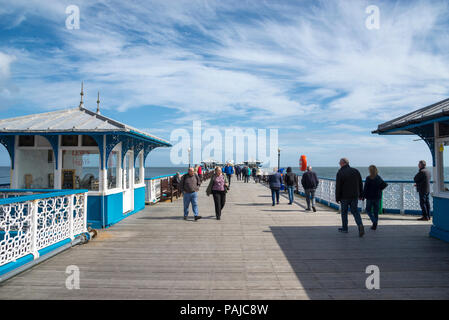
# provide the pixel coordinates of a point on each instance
(81, 149)
(431, 124)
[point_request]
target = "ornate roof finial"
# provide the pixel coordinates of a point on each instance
(98, 103)
(82, 94)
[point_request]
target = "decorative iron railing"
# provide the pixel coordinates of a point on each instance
(399, 197)
(31, 220)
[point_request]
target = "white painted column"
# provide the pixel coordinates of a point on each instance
(142, 167)
(15, 173)
(103, 177)
(438, 170)
(120, 170)
(57, 183)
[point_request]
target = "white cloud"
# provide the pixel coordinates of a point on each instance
(282, 64)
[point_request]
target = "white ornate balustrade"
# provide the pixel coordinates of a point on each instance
(398, 197)
(31, 222)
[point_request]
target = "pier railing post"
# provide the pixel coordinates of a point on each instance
(401, 198)
(85, 210)
(71, 200)
(32, 209)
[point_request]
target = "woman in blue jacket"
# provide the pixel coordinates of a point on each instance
(372, 192)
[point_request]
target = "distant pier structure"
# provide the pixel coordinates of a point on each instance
(431, 124)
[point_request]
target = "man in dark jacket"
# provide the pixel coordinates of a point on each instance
(422, 183)
(310, 182)
(245, 173)
(238, 172)
(290, 180)
(189, 185)
(275, 181)
(348, 190)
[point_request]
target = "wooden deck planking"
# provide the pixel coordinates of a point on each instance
(255, 252)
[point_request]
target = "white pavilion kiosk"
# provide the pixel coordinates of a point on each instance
(81, 149)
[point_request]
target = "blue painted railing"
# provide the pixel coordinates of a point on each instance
(34, 224)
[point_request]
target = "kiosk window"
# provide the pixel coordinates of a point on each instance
(88, 141)
(26, 141)
(69, 141)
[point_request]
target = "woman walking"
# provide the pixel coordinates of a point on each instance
(372, 192)
(218, 188)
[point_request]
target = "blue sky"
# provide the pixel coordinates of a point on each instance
(310, 68)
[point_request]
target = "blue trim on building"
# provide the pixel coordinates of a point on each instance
(8, 142)
(164, 176)
(16, 264)
(54, 142)
(51, 194)
(99, 140)
(29, 257)
(105, 211)
(440, 220)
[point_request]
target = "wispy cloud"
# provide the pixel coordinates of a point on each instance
(302, 65)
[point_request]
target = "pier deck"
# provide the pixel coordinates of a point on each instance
(255, 252)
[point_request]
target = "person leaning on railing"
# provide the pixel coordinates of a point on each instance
(176, 181)
(422, 184)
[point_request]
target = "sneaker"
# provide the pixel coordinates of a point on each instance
(185, 217)
(361, 231)
(308, 209)
(342, 230)
(374, 226)
(314, 209)
(273, 205)
(197, 218)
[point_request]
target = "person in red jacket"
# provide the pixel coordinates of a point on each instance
(200, 173)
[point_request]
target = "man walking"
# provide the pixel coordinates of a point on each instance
(422, 183)
(229, 170)
(290, 181)
(245, 172)
(237, 172)
(348, 190)
(275, 181)
(310, 182)
(190, 184)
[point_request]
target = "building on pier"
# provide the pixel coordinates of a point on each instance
(81, 149)
(431, 124)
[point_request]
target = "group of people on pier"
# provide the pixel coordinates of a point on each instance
(349, 189)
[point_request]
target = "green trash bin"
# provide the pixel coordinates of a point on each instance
(381, 206)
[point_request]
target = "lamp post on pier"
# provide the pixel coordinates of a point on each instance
(279, 158)
(188, 150)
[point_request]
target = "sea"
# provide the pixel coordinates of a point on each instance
(387, 173)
